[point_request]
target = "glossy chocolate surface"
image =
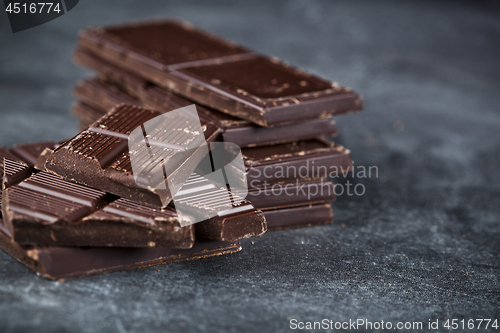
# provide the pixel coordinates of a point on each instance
(119, 86)
(226, 77)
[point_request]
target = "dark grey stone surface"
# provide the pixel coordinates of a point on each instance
(422, 243)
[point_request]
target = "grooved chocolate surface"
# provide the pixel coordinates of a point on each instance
(14, 172)
(46, 210)
(129, 210)
(236, 220)
(44, 182)
(99, 157)
(5, 153)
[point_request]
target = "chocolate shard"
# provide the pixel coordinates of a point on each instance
(299, 192)
(14, 172)
(5, 153)
(294, 217)
(219, 74)
(308, 159)
(99, 157)
(118, 86)
(46, 210)
(202, 198)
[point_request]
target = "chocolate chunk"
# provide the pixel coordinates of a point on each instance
(119, 86)
(46, 210)
(317, 158)
(219, 74)
(229, 227)
(98, 157)
(14, 172)
(5, 154)
(203, 199)
(295, 217)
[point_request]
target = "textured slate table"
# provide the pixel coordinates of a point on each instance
(422, 243)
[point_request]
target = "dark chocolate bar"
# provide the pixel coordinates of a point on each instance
(98, 157)
(120, 86)
(295, 217)
(218, 73)
(299, 192)
(69, 262)
(309, 159)
(44, 209)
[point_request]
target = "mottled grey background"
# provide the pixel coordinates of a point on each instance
(423, 243)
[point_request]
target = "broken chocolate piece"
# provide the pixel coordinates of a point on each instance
(204, 199)
(99, 157)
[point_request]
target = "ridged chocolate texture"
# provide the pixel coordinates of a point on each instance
(308, 159)
(99, 157)
(200, 196)
(200, 193)
(14, 172)
(5, 153)
(126, 209)
(120, 86)
(295, 217)
(226, 77)
(47, 210)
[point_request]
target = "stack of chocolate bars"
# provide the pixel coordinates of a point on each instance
(75, 208)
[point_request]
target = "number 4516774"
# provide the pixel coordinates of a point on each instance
(470, 324)
(33, 8)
